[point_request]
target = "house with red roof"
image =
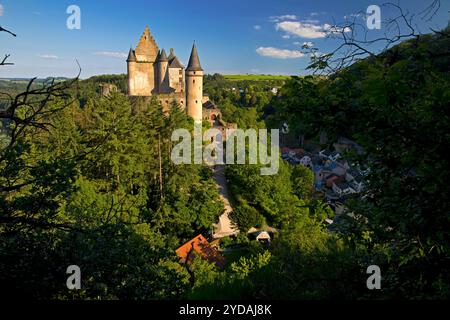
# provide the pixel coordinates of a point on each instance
(199, 246)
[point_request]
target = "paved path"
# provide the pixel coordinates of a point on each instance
(224, 228)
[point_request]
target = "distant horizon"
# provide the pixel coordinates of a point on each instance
(124, 74)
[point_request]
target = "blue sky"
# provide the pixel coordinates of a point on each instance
(233, 36)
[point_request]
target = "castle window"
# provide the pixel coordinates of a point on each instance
(181, 72)
(196, 101)
(193, 81)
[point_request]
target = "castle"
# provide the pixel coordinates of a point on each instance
(152, 73)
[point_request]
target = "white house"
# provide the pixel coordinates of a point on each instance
(306, 161)
(263, 236)
(342, 189)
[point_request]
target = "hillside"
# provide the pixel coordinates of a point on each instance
(253, 77)
(395, 106)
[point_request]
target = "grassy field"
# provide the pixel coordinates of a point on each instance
(254, 77)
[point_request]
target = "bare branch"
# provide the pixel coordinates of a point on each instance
(4, 63)
(7, 31)
(356, 43)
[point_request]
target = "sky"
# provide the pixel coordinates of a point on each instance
(232, 36)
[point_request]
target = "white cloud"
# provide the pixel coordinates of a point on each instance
(279, 53)
(286, 36)
(257, 27)
(283, 17)
(309, 30)
(313, 21)
(314, 14)
(111, 54)
(48, 56)
(1, 10)
(301, 29)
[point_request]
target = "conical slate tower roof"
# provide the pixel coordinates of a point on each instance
(194, 61)
(131, 56)
(163, 56)
(175, 63)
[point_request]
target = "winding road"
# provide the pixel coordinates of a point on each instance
(224, 227)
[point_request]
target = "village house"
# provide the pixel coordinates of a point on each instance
(199, 246)
(342, 188)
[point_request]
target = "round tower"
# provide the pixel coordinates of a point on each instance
(194, 86)
(163, 63)
(131, 71)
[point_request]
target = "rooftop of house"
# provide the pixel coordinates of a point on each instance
(342, 185)
(209, 105)
(200, 246)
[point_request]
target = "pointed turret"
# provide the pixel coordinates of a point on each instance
(194, 86)
(131, 56)
(163, 78)
(194, 61)
(163, 56)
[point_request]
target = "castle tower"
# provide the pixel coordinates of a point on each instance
(147, 49)
(194, 86)
(131, 69)
(141, 70)
(162, 64)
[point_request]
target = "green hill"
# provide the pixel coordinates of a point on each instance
(254, 77)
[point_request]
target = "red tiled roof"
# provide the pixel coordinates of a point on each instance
(200, 246)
